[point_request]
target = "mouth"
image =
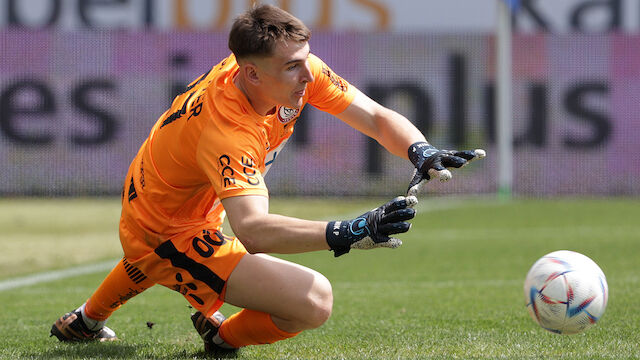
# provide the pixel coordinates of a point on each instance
(300, 93)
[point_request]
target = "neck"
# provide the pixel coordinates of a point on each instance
(260, 105)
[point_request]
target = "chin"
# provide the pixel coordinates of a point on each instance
(297, 103)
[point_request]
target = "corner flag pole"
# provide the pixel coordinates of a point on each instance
(504, 99)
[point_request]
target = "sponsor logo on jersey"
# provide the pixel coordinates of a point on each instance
(286, 114)
(335, 79)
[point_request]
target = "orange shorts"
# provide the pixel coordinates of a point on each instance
(194, 263)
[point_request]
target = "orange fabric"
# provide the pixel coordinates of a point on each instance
(249, 327)
(208, 146)
(196, 264)
(123, 282)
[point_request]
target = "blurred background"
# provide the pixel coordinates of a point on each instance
(83, 81)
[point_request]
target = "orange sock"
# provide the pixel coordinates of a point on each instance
(123, 282)
(249, 327)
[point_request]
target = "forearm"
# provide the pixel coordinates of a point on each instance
(272, 233)
(396, 133)
(392, 130)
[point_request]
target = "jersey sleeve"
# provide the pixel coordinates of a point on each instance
(328, 92)
(231, 164)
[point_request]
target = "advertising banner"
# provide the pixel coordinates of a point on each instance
(444, 16)
(75, 107)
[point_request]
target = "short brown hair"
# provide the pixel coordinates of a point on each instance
(257, 31)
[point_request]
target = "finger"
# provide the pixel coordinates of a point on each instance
(442, 175)
(453, 161)
(392, 243)
(466, 154)
(398, 215)
(411, 201)
(400, 202)
(415, 184)
(471, 155)
(437, 165)
(394, 228)
(395, 204)
(418, 176)
(413, 191)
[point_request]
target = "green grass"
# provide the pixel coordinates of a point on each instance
(452, 291)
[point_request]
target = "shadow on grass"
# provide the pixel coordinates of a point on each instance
(115, 350)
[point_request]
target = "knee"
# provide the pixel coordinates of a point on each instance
(319, 302)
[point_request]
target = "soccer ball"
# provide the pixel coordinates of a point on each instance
(565, 292)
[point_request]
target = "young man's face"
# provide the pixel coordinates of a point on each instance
(284, 76)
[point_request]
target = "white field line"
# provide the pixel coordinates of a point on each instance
(49, 276)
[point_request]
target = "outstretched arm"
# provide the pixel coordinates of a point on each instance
(260, 231)
(400, 137)
(389, 128)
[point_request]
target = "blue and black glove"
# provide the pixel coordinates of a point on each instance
(372, 229)
(433, 163)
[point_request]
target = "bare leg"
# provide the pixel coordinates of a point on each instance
(296, 297)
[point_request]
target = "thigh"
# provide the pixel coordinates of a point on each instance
(195, 264)
(278, 287)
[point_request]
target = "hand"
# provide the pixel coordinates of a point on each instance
(433, 163)
(372, 229)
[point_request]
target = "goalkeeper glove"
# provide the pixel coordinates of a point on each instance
(372, 229)
(431, 162)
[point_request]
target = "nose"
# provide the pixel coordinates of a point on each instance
(307, 76)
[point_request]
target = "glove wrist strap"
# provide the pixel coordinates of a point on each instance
(335, 234)
(340, 235)
(419, 151)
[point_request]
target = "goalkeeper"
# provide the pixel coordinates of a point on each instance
(205, 159)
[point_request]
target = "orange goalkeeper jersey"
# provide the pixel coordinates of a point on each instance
(212, 145)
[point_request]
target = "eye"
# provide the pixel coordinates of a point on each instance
(292, 67)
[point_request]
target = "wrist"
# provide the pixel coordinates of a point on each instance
(341, 234)
(335, 241)
(332, 233)
(419, 151)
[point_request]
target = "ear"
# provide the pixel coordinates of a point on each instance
(251, 73)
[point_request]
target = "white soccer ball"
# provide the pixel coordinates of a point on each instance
(565, 292)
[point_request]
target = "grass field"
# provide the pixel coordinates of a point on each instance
(452, 291)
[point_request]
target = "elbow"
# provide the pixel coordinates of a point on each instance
(249, 240)
(251, 246)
